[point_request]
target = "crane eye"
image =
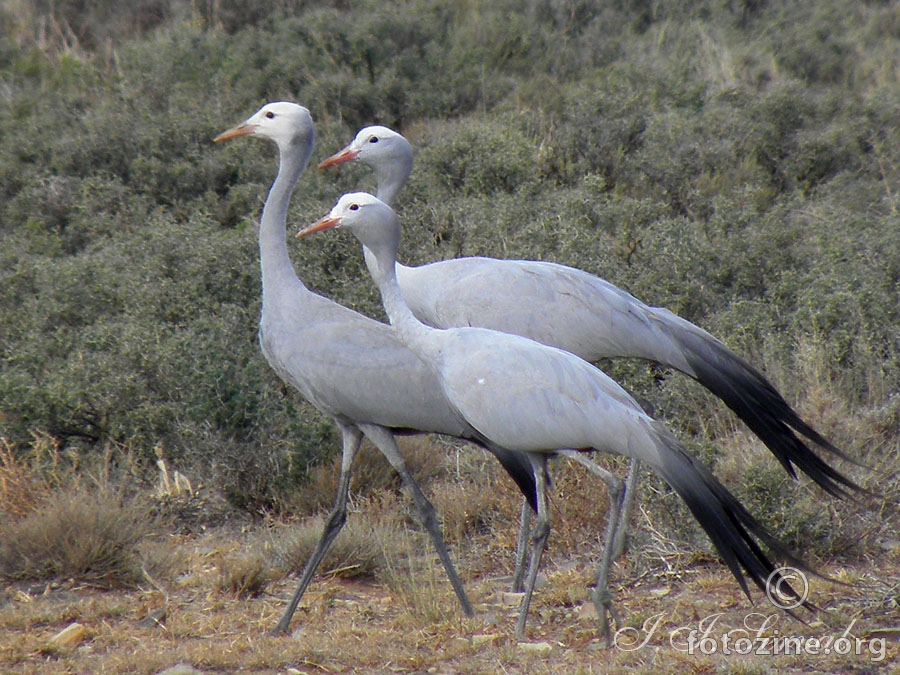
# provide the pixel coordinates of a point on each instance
(354, 207)
(270, 115)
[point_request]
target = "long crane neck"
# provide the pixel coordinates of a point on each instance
(412, 332)
(277, 270)
(391, 176)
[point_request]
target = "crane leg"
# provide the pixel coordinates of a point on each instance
(518, 580)
(627, 509)
(526, 515)
(600, 594)
(539, 536)
(352, 438)
(384, 441)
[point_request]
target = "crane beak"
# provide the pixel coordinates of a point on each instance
(346, 155)
(325, 223)
(244, 129)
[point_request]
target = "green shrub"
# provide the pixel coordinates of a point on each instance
(734, 162)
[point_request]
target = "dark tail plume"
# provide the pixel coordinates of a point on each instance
(732, 529)
(753, 398)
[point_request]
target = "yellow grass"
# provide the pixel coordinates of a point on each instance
(208, 599)
(351, 627)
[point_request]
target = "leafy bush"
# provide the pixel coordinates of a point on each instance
(734, 162)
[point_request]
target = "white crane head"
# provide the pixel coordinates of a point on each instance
(368, 218)
(283, 122)
(386, 152)
(372, 146)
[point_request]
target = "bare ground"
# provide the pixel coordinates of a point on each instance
(368, 626)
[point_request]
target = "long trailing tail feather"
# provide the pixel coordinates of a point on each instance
(729, 525)
(753, 398)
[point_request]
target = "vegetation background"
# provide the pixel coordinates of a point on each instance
(737, 161)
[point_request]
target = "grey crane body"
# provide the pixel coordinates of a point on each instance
(590, 317)
(341, 361)
(536, 399)
(320, 348)
(350, 367)
(599, 320)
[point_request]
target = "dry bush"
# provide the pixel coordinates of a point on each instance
(246, 575)
(358, 551)
(89, 535)
(482, 499)
(467, 510)
(28, 478)
(580, 504)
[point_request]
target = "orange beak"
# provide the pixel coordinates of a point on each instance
(325, 223)
(345, 155)
(243, 129)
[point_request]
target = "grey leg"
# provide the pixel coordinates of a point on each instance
(600, 595)
(518, 582)
(539, 536)
(333, 524)
(384, 441)
(627, 508)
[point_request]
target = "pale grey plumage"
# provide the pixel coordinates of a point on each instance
(431, 292)
(583, 314)
(352, 368)
(533, 398)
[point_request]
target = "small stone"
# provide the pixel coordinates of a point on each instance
(536, 647)
(181, 669)
(511, 599)
(69, 636)
(484, 639)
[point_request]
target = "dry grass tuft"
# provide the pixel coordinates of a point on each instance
(413, 573)
(246, 575)
(357, 552)
(28, 478)
(91, 536)
(20, 493)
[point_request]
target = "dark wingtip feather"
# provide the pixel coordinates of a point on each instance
(753, 398)
(731, 528)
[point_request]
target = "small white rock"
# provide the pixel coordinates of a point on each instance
(536, 647)
(511, 599)
(181, 669)
(484, 639)
(69, 636)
